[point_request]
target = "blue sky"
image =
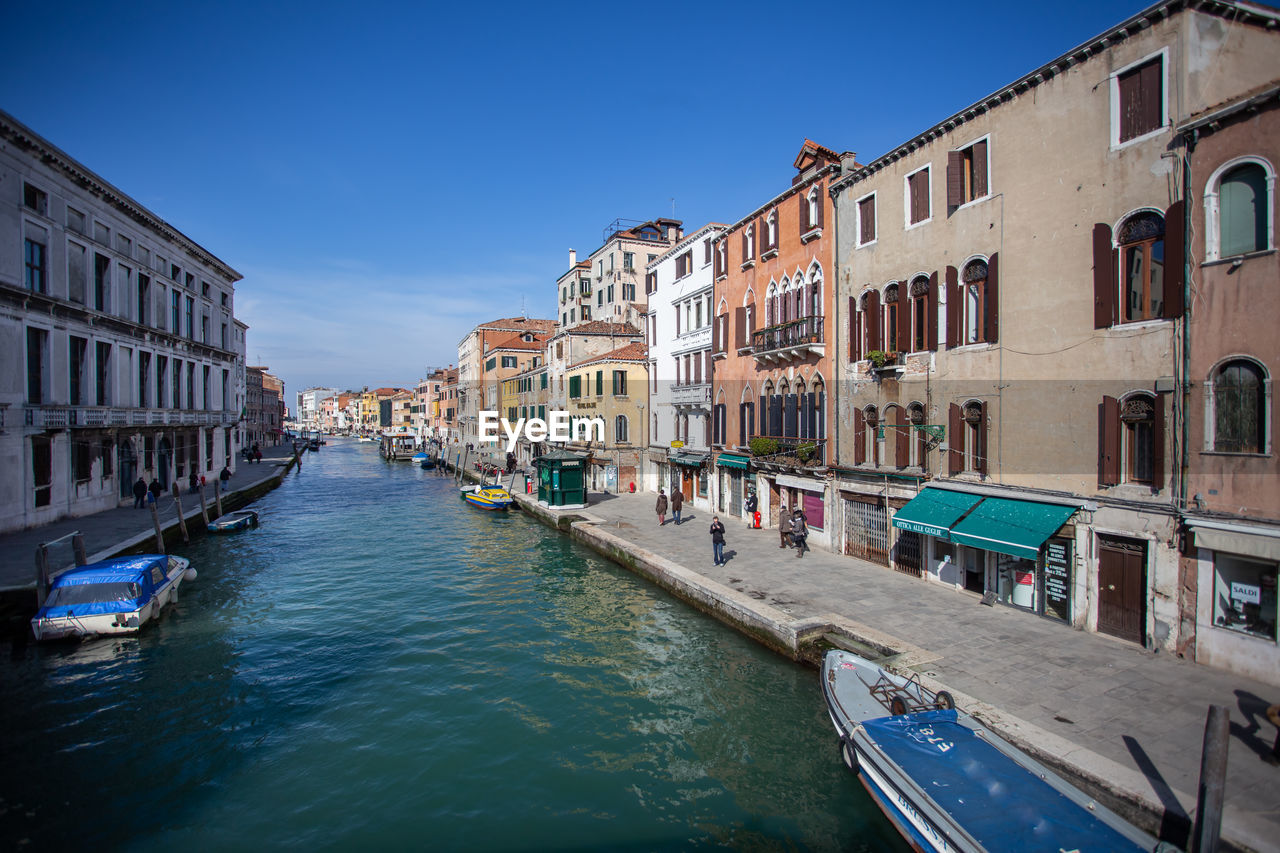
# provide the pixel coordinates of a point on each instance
(387, 175)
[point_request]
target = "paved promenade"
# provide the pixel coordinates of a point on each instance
(109, 532)
(1109, 710)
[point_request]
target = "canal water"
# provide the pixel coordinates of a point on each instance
(380, 665)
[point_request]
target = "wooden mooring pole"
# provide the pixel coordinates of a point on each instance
(217, 496)
(155, 519)
(204, 508)
(1213, 780)
(42, 573)
(182, 521)
(77, 546)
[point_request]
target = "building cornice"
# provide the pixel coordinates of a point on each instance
(55, 158)
(1242, 12)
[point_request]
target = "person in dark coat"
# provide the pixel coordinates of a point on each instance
(139, 493)
(799, 532)
(193, 480)
(155, 489)
(224, 475)
(752, 505)
(677, 501)
(784, 527)
(717, 541)
(661, 508)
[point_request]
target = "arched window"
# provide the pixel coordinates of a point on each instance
(1239, 408)
(1141, 244)
(819, 405)
(891, 318)
(871, 422)
(1137, 419)
(974, 437)
(770, 306)
(815, 293)
(915, 417)
(973, 283)
(620, 429)
(919, 314)
(1243, 210)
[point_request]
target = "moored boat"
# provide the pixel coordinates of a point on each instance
(241, 519)
(950, 784)
(116, 596)
(487, 497)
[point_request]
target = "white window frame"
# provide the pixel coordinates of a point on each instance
(907, 224)
(970, 144)
(857, 216)
(1114, 85)
(1212, 210)
(1210, 413)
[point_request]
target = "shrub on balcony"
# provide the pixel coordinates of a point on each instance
(879, 358)
(763, 446)
(805, 451)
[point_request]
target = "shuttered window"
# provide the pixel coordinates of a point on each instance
(867, 220)
(967, 174)
(1141, 94)
(918, 197)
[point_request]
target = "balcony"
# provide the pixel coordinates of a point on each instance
(691, 395)
(775, 452)
(796, 339)
(101, 417)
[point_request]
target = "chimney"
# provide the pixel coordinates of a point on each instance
(573, 259)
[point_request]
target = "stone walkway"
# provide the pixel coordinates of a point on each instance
(1112, 709)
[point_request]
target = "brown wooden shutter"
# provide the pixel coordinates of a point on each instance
(745, 256)
(955, 441)
(904, 316)
(715, 335)
(1104, 277)
(859, 438)
(955, 178)
(902, 438)
(1174, 259)
(751, 319)
(1158, 444)
(821, 206)
(874, 320)
(931, 314)
(991, 300)
(853, 329)
(982, 439)
(678, 313)
(740, 327)
(980, 169)
(867, 211)
(1109, 442)
(953, 307)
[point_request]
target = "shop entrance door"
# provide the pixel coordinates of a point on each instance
(686, 484)
(1122, 584)
(735, 494)
(866, 531)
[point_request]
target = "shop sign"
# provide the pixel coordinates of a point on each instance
(1246, 592)
(677, 444)
(1057, 579)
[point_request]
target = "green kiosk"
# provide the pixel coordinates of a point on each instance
(562, 480)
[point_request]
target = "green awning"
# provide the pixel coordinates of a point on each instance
(933, 511)
(1013, 527)
(691, 460)
(732, 460)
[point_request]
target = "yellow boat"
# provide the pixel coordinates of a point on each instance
(488, 497)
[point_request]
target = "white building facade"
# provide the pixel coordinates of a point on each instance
(125, 359)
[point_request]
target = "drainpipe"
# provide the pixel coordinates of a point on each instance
(1184, 321)
(835, 331)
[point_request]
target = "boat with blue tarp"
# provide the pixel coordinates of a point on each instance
(950, 784)
(116, 596)
(232, 522)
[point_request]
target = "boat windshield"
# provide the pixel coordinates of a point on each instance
(92, 593)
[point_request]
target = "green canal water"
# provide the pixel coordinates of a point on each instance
(380, 666)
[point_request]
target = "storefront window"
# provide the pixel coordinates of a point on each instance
(1244, 597)
(1016, 581)
(702, 483)
(813, 510)
(974, 561)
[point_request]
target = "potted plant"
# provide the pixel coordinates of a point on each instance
(805, 451)
(763, 446)
(879, 358)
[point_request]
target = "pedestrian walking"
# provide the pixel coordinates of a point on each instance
(717, 541)
(139, 493)
(799, 532)
(753, 518)
(193, 481)
(677, 501)
(661, 508)
(224, 475)
(155, 489)
(784, 527)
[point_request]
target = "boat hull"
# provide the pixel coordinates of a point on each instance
(233, 522)
(491, 499)
(126, 620)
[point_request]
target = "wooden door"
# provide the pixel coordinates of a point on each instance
(1122, 587)
(686, 484)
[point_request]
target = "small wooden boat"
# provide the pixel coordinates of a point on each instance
(241, 519)
(488, 497)
(116, 596)
(949, 784)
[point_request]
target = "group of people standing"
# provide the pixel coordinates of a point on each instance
(793, 526)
